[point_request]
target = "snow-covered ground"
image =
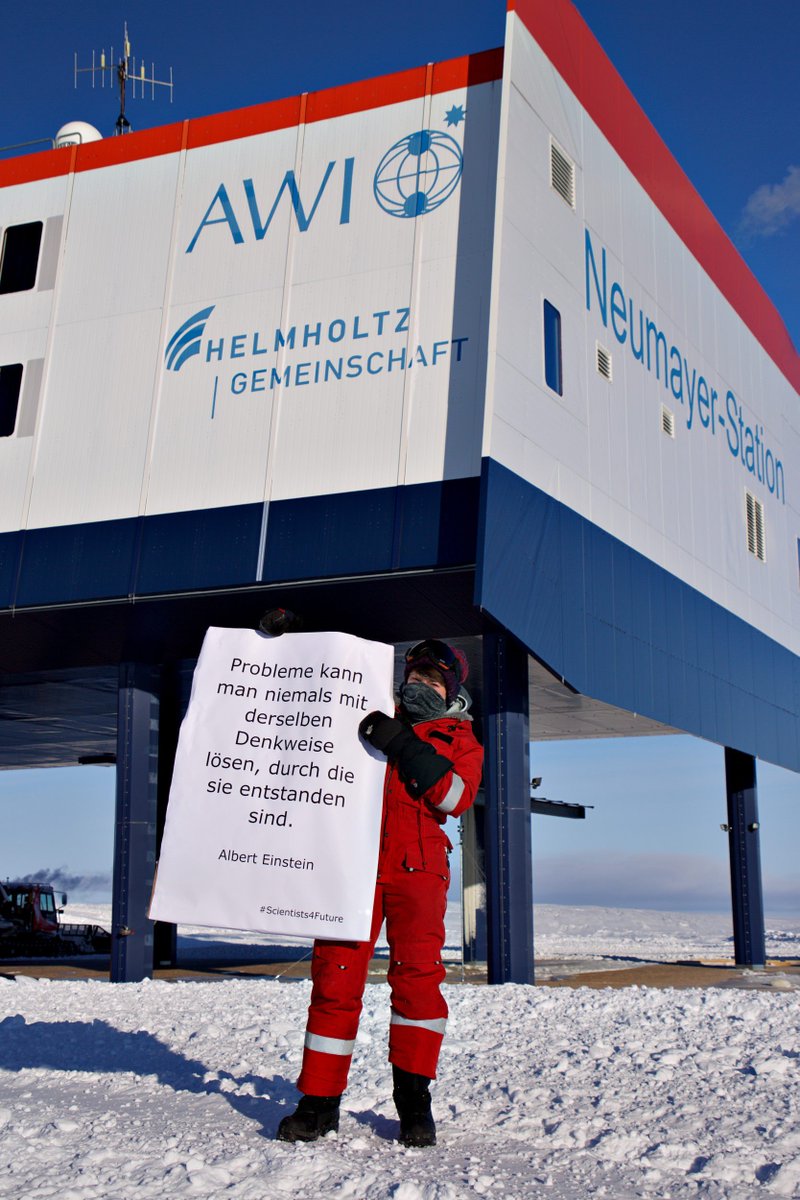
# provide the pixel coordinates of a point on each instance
(594, 937)
(623, 936)
(173, 1089)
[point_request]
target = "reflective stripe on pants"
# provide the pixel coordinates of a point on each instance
(413, 903)
(436, 1024)
(327, 1045)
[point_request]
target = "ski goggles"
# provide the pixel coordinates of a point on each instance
(436, 654)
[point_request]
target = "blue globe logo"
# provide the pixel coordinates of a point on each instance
(418, 173)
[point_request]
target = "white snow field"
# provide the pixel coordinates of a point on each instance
(175, 1089)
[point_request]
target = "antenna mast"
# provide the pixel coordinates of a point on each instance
(125, 71)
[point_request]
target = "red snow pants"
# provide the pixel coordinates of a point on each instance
(413, 904)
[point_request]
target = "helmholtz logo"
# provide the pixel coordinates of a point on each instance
(185, 341)
(415, 176)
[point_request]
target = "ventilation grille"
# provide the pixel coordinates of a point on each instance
(755, 527)
(603, 361)
(667, 421)
(562, 174)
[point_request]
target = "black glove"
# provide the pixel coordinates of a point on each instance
(418, 764)
(280, 620)
(380, 731)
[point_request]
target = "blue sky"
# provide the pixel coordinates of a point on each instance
(719, 79)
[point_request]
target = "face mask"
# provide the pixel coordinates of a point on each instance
(422, 702)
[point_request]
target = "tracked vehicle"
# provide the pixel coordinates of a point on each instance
(30, 926)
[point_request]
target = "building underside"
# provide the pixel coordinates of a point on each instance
(109, 682)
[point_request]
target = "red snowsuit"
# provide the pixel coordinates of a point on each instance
(411, 894)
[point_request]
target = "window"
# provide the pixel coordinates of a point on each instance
(10, 383)
(755, 527)
(20, 259)
(552, 348)
(47, 903)
(562, 174)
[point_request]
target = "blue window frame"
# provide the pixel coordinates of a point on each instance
(552, 348)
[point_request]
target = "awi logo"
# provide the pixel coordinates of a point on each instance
(414, 177)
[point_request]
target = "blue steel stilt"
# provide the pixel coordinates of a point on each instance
(170, 713)
(745, 853)
(135, 830)
(509, 872)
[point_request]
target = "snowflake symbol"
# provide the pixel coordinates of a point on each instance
(455, 115)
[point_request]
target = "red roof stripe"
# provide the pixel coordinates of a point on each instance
(164, 139)
(244, 122)
(366, 94)
(584, 66)
(46, 164)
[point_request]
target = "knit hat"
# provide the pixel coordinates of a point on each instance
(447, 660)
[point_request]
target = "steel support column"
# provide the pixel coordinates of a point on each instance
(509, 872)
(745, 852)
(135, 829)
(170, 713)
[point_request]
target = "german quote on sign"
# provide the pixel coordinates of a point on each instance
(274, 810)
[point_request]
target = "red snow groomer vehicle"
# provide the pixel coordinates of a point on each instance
(30, 926)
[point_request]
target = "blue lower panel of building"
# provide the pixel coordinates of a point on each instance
(385, 529)
(70, 563)
(621, 629)
(106, 559)
(215, 547)
(10, 550)
(423, 525)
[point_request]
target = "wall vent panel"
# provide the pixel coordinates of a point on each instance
(667, 421)
(562, 174)
(603, 361)
(756, 542)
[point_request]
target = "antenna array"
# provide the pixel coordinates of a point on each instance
(126, 73)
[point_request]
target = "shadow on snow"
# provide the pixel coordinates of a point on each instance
(97, 1047)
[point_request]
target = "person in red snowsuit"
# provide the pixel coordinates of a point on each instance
(433, 771)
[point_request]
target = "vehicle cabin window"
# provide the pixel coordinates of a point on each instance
(10, 386)
(47, 903)
(20, 257)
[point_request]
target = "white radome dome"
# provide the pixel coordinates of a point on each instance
(76, 133)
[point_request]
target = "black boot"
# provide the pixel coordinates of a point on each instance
(413, 1103)
(313, 1118)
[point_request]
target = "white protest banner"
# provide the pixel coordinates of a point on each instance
(274, 811)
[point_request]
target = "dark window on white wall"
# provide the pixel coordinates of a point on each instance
(552, 348)
(10, 383)
(20, 259)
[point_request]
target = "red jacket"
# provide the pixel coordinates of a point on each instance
(411, 832)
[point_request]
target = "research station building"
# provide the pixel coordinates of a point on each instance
(456, 352)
